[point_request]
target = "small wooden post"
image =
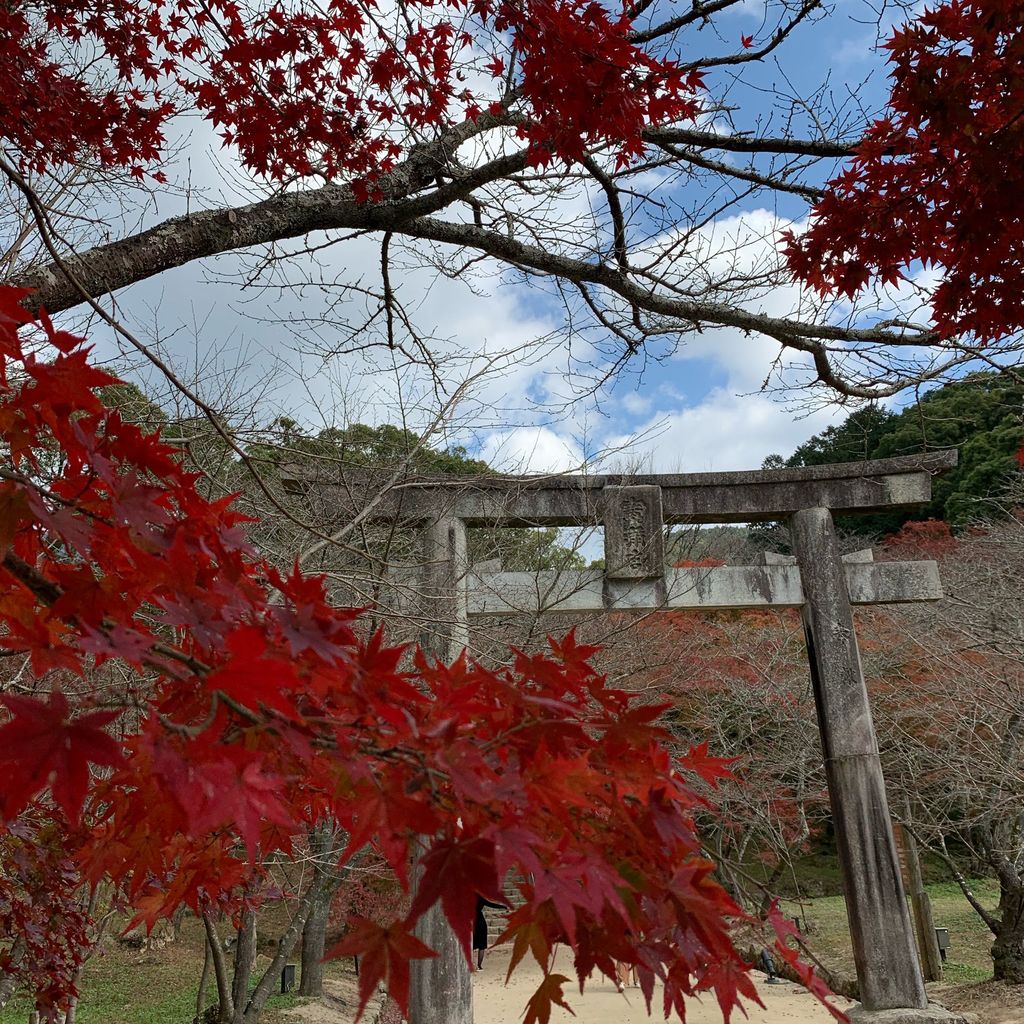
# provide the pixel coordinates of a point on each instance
(441, 990)
(920, 904)
(883, 938)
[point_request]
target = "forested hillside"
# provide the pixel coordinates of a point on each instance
(982, 416)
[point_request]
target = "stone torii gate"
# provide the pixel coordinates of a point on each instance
(633, 510)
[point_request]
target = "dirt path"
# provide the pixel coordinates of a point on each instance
(494, 1003)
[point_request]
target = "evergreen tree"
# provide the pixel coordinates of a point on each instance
(981, 415)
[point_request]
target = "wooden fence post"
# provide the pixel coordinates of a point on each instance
(920, 904)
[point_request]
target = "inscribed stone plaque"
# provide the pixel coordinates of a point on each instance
(634, 542)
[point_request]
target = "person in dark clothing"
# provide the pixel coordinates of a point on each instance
(480, 928)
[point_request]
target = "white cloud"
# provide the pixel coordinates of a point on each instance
(467, 323)
(531, 450)
(736, 424)
(635, 403)
(725, 431)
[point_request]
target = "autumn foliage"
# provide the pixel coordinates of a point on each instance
(317, 89)
(937, 181)
(254, 709)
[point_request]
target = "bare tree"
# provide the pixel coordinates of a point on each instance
(949, 695)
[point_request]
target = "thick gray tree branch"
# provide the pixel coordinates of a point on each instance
(181, 240)
(185, 239)
(431, 180)
(750, 143)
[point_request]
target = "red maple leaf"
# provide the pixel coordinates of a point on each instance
(43, 745)
(384, 953)
(548, 994)
(268, 715)
(707, 766)
(252, 677)
(747, 42)
(455, 872)
(729, 979)
(218, 787)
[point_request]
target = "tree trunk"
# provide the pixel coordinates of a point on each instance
(285, 947)
(326, 879)
(1008, 948)
(176, 920)
(9, 978)
(226, 1006)
(314, 944)
(204, 980)
(245, 958)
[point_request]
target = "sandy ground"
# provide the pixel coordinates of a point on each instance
(994, 1002)
(494, 1003)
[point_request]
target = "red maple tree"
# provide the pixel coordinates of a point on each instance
(308, 89)
(258, 709)
(937, 180)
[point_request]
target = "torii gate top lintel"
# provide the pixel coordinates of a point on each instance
(580, 499)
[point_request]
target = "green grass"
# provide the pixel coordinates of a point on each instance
(964, 974)
(140, 997)
(816, 873)
(116, 992)
(970, 941)
(122, 986)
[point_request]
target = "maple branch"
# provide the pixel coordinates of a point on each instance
(744, 174)
(181, 240)
(699, 12)
(533, 257)
(614, 209)
(821, 341)
(49, 593)
(192, 731)
(46, 590)
(406, 210)
(776, 40)
(992, 923)
(71, 277)
(389, 293)
(741, 143)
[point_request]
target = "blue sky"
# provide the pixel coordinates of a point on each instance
(700, 409)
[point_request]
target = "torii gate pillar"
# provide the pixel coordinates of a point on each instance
(883, 943)
(440, 989)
